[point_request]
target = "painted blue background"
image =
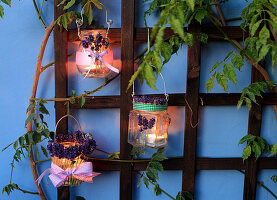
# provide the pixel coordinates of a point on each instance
(220, 128)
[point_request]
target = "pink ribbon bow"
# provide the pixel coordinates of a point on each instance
(100, 57)
(58, 176)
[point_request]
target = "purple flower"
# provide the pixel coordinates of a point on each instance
(85, 44)
(150, 100)
(151, 123)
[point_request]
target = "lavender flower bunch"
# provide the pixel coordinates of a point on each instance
(150, 100)
(145, 124)
(95, 43)
(83, 146)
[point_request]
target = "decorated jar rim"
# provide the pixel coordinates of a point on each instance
(148, 103)
(71, 145)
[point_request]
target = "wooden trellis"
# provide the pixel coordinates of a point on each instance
(189, 164)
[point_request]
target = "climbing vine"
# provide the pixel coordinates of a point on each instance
(259, 22)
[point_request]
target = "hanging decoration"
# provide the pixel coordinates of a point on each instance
(94, 57)
(68, 167)
(149, 121)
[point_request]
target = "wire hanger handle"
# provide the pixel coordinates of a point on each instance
(79, 22)
(74, 119)
(148, 49)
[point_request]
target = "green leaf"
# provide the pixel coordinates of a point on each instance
(8, 2)
(157, 189)
(146, 183)
(166, 51)
(15, 144)
(274, 55)
(210, 83)
(21, 141)
(191, 4)
(73, 93)
(252, 97)
(97, 4)
(264, 34)
(177, 26)
(80, 198)
(215, 66)
(36, 137)
(43, 109)
(37, 153)
(240, 102)
(159, 38)
(273, 17)
(274, 150)
(1, 11)
(62, 2)
(263, 52)
(256, 149)
(262, 143)
(255, 27)
(184, 195)
(157, 165)
(157, 62)
(45, 133)
(222, 81)
(159, 157)
(89, 14)
(247, 138)
(248, 102)
(82, 101)
(152, 174)
(229, 72)
(228, 56)
(69, 4)
(203, 37)
(30, 107)
(135, 75)
(200, 15)
(139, 182)
(29, 119)
(246, 152)
(45, 153)
(237, 61)
(149, 76)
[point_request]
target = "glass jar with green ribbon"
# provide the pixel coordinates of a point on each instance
(149, 121)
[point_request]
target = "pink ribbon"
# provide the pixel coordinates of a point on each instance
(58, 176)
(100, 57)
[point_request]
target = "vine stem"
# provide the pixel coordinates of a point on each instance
(38, 13)
(48, 31)
(236, 44)
(154, 184)
(261, 184)
(81, 95)
(25, 191)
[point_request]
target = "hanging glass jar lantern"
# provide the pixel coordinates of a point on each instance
(68, 167)
(94, 57)
(149, 121)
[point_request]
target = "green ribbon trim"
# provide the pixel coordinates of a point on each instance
(149, 107)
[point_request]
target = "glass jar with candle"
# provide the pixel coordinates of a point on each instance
(148, 122)
(94, 56)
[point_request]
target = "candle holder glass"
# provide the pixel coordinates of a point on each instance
(148, 122)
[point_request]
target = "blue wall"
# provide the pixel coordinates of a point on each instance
(220, 128)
